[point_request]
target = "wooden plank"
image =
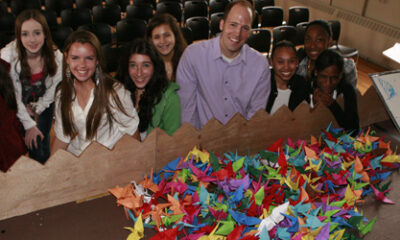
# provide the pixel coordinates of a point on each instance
(29, 186)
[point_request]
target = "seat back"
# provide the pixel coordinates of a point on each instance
(187, 34)
(284, 33)
(109, 14)
(129, 29)
(335, 26)
(112, 55)
(18, 6)
(60, 34)
(121, 3)
(87, 3)
(7, 22)
(195, 9)
(173, 8)
(58, 6)
(141, 2)
(199, 26)
(75, 17)
(260, 40)
(214, 23)
(259, 4)
(300, 32)
(217, 6)
(142, 11)
(51, 18)
(298, 14)
(101, 30)
(271, 16)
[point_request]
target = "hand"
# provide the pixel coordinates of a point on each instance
(323, 98)
(31, 137)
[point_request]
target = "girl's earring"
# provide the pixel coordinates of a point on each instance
(97, 75)
(68, 73)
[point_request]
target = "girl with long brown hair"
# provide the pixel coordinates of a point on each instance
(164, 31)
(90, 104)
(35, 71)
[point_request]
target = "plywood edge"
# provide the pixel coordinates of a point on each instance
(29, 186)
(65, 177)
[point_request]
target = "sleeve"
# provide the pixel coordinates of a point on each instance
(51, 84)
(171, 118)
(22, 113)
(300, 92)
(350, 72)
(9, 52)
(348, 119)
(127, 124)
(58, 128)
(261, 92)
(187, 80)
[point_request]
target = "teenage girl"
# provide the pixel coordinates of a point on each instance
(330, 84)
(164, 31)
(35, 71)
(156, 99)
(317, 38)
(287, 87)
(90, 105)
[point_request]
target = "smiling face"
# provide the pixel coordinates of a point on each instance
(141, 69)
(284, 61)
(163, 39)
(328, 79)
(32, 36)
(235, 30)
(316, 40)
(82, 61)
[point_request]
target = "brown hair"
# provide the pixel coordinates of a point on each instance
(180, 42)
(244, 3)
(47, 50)
(102, 92)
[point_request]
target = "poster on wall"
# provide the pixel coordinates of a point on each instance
(388, 88)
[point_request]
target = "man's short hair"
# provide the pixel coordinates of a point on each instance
(244, 3)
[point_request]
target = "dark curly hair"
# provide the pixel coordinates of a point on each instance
(322, 23)
(155, 87)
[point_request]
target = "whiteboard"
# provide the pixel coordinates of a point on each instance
(388, 88)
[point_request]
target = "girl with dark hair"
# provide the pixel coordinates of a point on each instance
(287, 88)
(35, 71)
(329, 85)
(317, 38)
(90, 105)
(143, 73)
(11, 139)
(164, 31)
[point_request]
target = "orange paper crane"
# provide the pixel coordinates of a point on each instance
(157, 212)
(148, 183)
(359, 168)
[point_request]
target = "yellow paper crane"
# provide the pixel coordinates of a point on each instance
(138, 231)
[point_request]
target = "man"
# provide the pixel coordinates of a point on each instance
(222, 76)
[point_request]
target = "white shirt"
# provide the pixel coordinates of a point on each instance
(9, 54)
(280, 100)
(123, 125)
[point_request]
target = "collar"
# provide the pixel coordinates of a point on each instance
(218, 54)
